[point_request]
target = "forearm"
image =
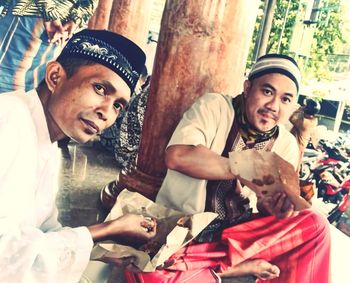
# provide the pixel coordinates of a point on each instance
(198, 162)
(100, 232)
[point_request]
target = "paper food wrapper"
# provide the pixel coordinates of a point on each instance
(174, 230)
(266, 173)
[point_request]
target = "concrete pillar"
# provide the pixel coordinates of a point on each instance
(265, 28)
(131, 18)
(203, 46)
(339, 116)
(100, 18)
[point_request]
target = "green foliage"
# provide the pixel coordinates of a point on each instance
(327, 38)
(276, 29)
(282, 26)
(250, 59)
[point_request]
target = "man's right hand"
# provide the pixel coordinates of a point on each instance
(132, 229)
(69, 28)
(129, 229)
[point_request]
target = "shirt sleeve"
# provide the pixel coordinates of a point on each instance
(200, 123)
(31, 252)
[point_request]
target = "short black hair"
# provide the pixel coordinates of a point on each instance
(144, 72)
(72, 65)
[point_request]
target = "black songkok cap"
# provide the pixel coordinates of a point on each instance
(110, 49)
(276, 63)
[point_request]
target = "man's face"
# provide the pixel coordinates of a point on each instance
(270, 99)
(88, 102)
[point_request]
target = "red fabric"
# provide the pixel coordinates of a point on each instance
(193, 263)
(344, 203)
(190, 276)
(346, 184)
(299, 246)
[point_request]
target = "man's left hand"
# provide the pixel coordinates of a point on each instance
(279, 205)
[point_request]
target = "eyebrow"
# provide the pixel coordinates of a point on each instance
(274, 89)
(110, 87)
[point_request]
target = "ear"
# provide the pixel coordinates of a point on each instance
(246, 87)
(54, 75)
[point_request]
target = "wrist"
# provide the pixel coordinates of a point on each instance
(100, 232)
(262, 209)
(230, 173)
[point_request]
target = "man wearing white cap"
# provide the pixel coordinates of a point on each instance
(277, 244)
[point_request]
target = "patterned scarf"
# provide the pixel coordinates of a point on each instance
(247, 131)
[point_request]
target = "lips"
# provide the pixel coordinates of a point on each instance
(92, 128)
(267, 115)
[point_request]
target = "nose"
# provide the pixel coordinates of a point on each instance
(273, 104)
(107, 113)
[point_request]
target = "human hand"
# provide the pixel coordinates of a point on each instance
(166, 264)
(132, 230)
(128, 263)
(302, 122)
(55, 32)
(279, 205)
(302, 126)
(69, 27)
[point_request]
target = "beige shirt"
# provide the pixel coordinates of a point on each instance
(208, 122)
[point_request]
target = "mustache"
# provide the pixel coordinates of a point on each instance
(269, 112)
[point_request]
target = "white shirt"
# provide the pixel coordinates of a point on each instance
(33, 245)
(208, 122)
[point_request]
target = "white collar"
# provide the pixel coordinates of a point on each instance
(37, 111)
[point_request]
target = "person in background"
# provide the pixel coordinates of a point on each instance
(34, 32)
(82, 94)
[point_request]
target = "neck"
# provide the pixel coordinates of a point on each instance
(54, 130)
(248, 132)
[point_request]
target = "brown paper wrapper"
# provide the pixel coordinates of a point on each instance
(174, 230)
(266, 173)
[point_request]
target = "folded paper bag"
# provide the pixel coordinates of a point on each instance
(266, 173)
(174, 230)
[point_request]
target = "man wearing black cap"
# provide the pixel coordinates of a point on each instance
(81, 95)
(283, 248)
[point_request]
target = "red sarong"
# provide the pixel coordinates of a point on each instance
(299, 246)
